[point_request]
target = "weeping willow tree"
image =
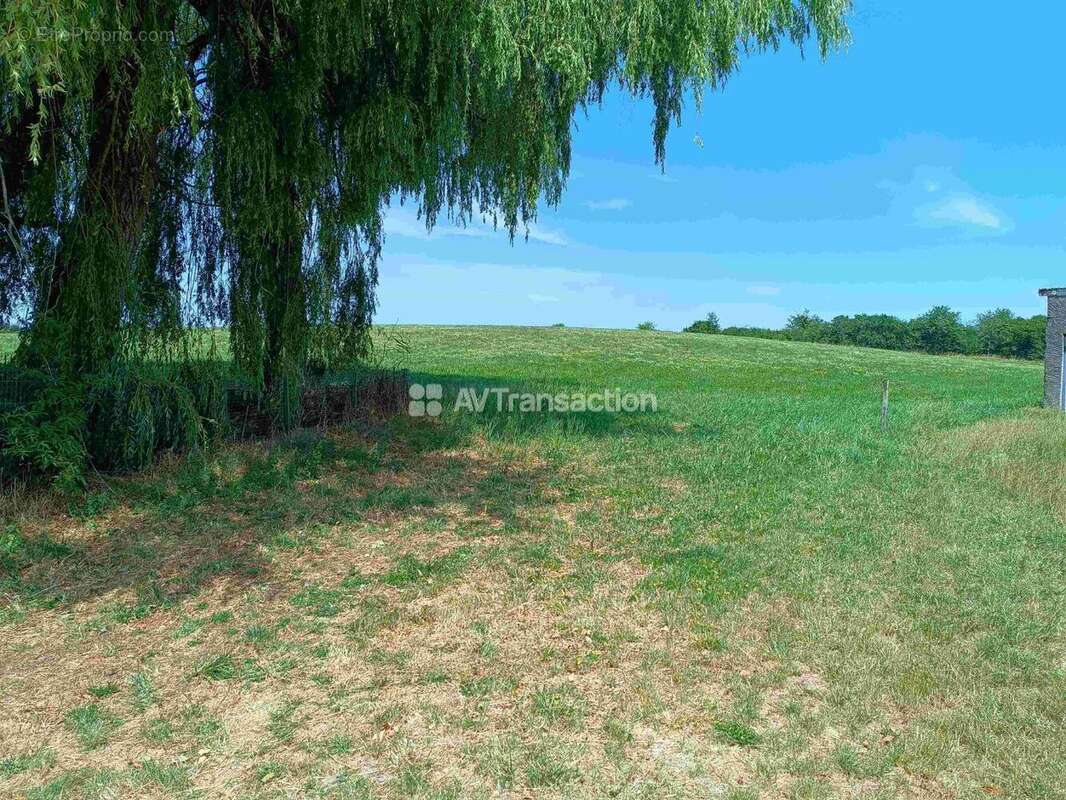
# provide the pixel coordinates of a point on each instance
(231, 162)
(92, 92)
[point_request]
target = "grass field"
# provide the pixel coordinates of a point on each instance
(748, 593)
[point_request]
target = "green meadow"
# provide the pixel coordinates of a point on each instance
(8, 343)
(751, 592)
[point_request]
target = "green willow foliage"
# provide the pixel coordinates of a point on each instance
(173, 164)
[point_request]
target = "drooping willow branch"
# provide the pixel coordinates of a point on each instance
(234, 172)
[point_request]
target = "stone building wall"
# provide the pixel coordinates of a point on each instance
(1056, 330)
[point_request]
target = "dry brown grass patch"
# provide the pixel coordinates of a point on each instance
(1026, 454)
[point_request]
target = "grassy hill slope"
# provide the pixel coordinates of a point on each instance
(750, 592)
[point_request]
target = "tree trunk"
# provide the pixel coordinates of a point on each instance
(82, 301)
(285, 322)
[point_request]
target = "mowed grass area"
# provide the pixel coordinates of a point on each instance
(8, 343)
(749, 593)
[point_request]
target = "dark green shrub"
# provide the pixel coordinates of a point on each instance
(806, 327)
(207, 382)
(121, 419)
(709, 325)
(118, 420)
(939, 330)
(133, 413)
(45, 435)
(754, 333)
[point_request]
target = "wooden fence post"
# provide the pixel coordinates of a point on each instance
(884, 405)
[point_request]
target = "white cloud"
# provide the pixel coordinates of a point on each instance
(427, 290)
(613, 204)
(936, 197)
(547, 236)
(966, 210)
(764, 291)
(400, 222)
(470, 230)
(417, 289)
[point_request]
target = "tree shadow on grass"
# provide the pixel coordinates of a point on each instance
(143, 543)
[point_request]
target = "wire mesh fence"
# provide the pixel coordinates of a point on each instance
(326, 399)
(17, 388)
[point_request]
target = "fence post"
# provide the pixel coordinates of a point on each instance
(884, 405)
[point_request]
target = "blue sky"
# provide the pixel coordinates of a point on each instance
(924, 165)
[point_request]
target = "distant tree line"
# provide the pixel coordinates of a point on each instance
(940, 330)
